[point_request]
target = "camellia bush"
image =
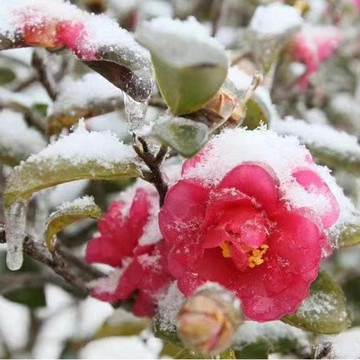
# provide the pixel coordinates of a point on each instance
(180, 179)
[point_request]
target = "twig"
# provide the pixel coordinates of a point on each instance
(40, 66)
(219, 4)
(27, 82)
(154, 163)
(53, 261)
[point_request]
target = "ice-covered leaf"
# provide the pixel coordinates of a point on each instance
(68, 214)
(80, 155)
(324, 311)
(331, 147)
(6, 75)
(190, 66)
(96, 40)
(86, 97)
(256, 114)
(184, 135)
(17, 140)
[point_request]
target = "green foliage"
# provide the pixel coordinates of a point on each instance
(187, 89)
(6, 76)
(350, 235)
(31, 177)
(324, 311)
(66, 216)
(185, 136)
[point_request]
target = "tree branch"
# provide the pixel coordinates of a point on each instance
(154, 163)
(39, 64)
(53, 261)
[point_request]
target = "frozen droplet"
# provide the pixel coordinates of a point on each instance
(135, 114)
(42, 214)
(15, 226)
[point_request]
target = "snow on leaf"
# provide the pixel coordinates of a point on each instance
(349, 235)
(324, 311)
(80, 155)
(96, 40)
(86, 97)
(332, 147)
(69, 213)
(17, 140)
(184, 135)
(190, 66)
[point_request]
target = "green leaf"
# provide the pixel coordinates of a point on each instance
(6, 76)
(256, 114)
(324, 312)
(123, 329)
(349, 235)
(32, 298)
(187, 89)
(185, 136)
(65, 161)
(189, 69)
(68, 214)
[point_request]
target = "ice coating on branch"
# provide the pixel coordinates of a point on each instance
(275, 19)
(81, 92)
(15, 226)
(135, 113)
(284, 155)
(17, 140)
(181, 43)
(82, 145)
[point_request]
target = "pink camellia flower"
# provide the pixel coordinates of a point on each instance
(251, 213)
(312, 46)
(357, 5)
(129, 241)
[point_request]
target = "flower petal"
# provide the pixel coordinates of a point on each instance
(254, 181)
(313, 183)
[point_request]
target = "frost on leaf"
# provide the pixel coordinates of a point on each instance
(324, 312)
(17, 140)
(190, 66)
(98, 41)
(69, 213)
(80, 155)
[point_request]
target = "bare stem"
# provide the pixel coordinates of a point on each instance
(154, 163)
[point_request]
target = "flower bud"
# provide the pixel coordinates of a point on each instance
(208, 320)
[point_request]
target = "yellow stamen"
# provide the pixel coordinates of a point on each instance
(257, 256)
(226, 249)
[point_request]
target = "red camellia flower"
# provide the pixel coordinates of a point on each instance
(129, 242)
(242, 234)
(313, 46)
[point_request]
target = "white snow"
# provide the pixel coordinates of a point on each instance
(108, 284)
(83, 146)
(80, 93)
(168, 308)
(181, 43)
(275, 19)
(118, 347)
(284, 155)
(17, 140)
(252, 332)
(343, 346)
(99, 30)
(82, 202)
(320, 136)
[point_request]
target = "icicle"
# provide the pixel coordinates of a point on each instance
(42, 214)
(135, 114)
(15, 225)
